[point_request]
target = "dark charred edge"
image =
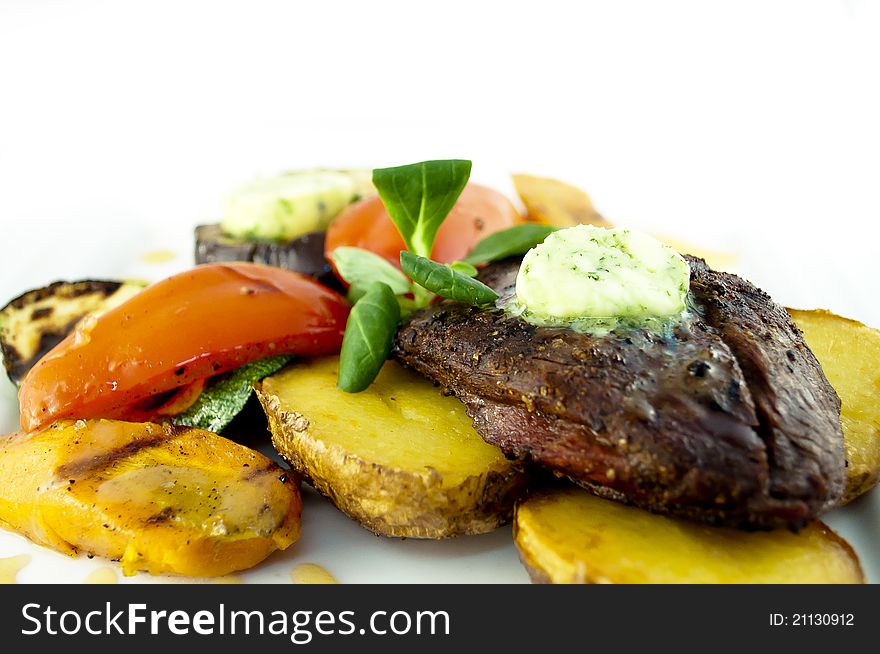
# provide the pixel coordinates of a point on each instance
(67, 290)
(85, 467)
(304, 254)
(44, 312)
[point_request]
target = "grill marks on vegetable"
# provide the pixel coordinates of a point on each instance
(713, 420)
(36, 321)
(91, 465)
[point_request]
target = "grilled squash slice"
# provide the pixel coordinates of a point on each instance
(36, 321)
(398, 457)
(552, 202)
(159, 498)
(567, 535)
(849, 353)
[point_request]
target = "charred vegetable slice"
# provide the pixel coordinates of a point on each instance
(160, 499)
(304, 254)
(850, 356)
(399, 457)
(570, 536)
(36, 321)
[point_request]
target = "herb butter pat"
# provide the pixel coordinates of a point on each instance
(593, 272)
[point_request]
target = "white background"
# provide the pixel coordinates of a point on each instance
(750, 127)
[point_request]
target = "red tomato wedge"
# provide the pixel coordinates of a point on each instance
(177, 332)
(480, 211)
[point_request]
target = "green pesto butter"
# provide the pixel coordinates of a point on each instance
(289, 205)
(606, 276)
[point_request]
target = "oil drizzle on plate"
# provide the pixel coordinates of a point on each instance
(311, 573)
(158, 256)
(227, 579)
(105, 575)
(11, 566)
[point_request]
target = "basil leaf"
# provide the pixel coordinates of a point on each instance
(419, 196)
(369, 334)
(360, 268)
(445, 281)
(508, 242)
(464, 268)
(225, 395)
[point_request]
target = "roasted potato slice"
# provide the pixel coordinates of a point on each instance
(36, 321)
(567, 535)
(552, 202)
(399, 457)
(850, 356)
(159, 498)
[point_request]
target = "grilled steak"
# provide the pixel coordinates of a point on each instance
(726, 418)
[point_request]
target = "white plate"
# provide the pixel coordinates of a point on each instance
(350, 553)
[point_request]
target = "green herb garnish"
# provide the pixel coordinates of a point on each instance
(361, 268)
(225, 396)
(419, 196)
(509, 242)
(369, 334)
(464, 268)
(444, 281)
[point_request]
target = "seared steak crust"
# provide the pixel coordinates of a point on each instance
(713, 420)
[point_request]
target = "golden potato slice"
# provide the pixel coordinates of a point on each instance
(850, 356)
(159, 498)
(567, 535)
(399, 457)
(552, 202)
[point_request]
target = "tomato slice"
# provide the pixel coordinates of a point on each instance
(480, 211)
(208, 320)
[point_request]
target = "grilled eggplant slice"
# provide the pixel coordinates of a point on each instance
(163, 499)
(850, 356)
(304, 254)
(727, 418)
(399, 458)
(36, 321)
(567, 536)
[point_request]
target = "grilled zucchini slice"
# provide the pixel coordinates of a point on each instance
(36, 321)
